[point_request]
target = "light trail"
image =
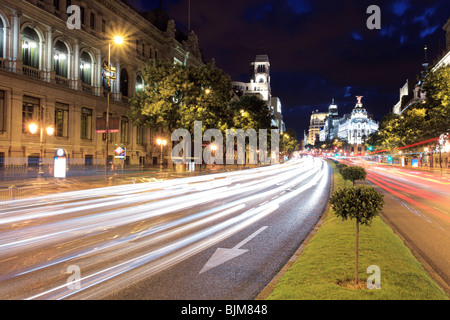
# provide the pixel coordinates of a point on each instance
(173, 253)
(164, 234)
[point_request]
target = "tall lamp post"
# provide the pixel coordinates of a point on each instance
(34, 128)
(110, 75)
(162, 143)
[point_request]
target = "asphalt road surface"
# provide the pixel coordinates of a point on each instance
(218, 236)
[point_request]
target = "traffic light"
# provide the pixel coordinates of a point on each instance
(370, 148)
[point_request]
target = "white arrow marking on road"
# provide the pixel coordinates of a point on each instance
(223, 255)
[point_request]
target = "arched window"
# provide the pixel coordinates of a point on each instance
(1, 38)
(124, 82)
(60, 59)
(139, 83)
(30, 48)
(86, 68)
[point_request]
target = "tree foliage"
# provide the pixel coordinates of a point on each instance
(360, 203)
(250, 112)
(353, 173)
(175, 96)
(421, 121)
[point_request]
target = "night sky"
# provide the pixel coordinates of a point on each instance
(318, 49)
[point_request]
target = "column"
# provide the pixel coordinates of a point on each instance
(76, 64)
(16, 63)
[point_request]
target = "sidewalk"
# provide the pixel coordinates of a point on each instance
(437, 170)
(99, 179)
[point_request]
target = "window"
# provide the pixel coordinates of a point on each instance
(31, 112)
(140, 134)
(1, 39)
(56, 4)
(30, 48)
(139, 83)
(88, 160)
(92, 21)
(85, 68)
(124, 127)
(61, 120)
(82, 15)
(124, 82)
(60, 59)
(86, 123)
(143, 49)
(2, 111)
(2, 160)
(103, 25)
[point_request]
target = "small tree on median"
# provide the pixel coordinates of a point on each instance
(361, 203)
(353, 173)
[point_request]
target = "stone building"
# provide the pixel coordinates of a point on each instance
(54, 76)
(259, 86)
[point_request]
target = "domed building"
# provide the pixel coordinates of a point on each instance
(356, 127)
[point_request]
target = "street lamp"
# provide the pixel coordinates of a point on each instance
(34, 128)
(109, 76)
(162, 143)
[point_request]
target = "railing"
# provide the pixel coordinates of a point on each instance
(2, 63)
(87, 88)
(31, 72)
(16, 193)
(62, 81)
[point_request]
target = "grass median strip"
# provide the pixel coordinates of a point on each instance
(326, 265)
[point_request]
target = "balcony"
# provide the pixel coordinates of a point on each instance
(87, 88)
(31, 72)
(62, 81)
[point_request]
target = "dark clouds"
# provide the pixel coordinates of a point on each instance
(318, 49)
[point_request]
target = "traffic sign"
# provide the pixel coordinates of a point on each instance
(120, 153)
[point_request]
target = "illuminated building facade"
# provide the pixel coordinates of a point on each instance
(55, 76)
(259, 80)
(316, 125)
(356, 127)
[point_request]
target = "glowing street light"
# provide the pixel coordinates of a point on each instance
(34, 129)
(117, 40)
(162, 143)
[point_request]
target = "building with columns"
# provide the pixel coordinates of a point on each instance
(55, 76)
(354, 128)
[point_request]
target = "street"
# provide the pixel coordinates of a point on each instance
(416, 207)
(218, 236)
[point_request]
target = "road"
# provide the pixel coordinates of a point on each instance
(218, 236)
(417, 208)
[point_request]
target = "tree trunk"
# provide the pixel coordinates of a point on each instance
(356, 252)
(440, 154)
